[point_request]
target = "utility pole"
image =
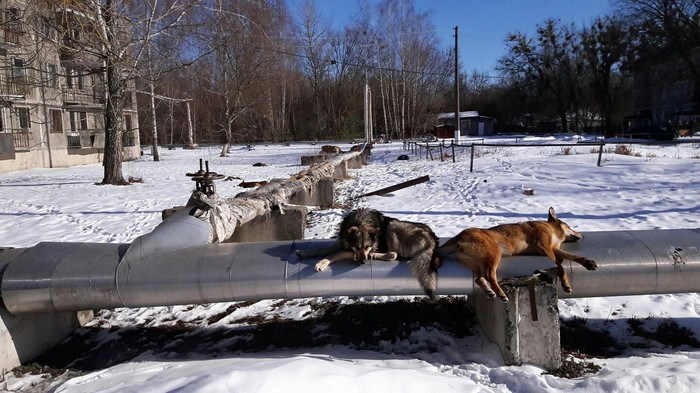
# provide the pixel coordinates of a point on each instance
(367, 137)
(457, 125)
(368, 112)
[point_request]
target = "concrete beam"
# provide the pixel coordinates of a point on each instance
(278, 225)
(321, 194)
(526, 328)
(25, 337)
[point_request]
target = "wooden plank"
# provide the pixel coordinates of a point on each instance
(396, 187)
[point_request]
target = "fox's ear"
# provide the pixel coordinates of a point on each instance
(353, 230)
(552, 215)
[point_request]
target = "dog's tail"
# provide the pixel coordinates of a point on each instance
(424, 268)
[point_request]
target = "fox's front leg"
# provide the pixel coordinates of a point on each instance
(563, 277)
(589, 264)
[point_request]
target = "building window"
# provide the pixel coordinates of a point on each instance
(52, 75)
(74, 79)
(128, 100)
(56, 121)
(24, 121)
(128, 140)
(12, 15)
(12, 25)
(78, 121)
(70, 75)
(48, 29)
(75, 34)
(127, 123)
(18, 70)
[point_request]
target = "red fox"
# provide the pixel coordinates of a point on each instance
(481, 249)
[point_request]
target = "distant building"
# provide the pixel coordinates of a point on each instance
(52, 94)
(471, 124)
(664, 92)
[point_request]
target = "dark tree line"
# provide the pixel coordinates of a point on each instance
(261, 71)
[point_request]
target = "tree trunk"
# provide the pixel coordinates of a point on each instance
(190, 131)
(112, 160)
(564, 123)
(154, 125)
(383, 93)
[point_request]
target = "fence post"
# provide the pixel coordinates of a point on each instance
(471, 161)
(453, 152)
(600, 153)
(442, 156)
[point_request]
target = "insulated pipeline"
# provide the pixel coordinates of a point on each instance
(51, 277)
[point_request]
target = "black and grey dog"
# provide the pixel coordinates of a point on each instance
(367, 234)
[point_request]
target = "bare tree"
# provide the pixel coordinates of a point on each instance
(411, 70)
(239, 58)
(666, 27)
(316, 59)
(116, 34)
(607, 48)
(548, 63)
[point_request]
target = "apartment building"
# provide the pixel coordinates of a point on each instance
(52, 94)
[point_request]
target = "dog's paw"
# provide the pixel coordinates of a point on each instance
(590, 264)
(504, 299)
(322, 265)
(391, 256)
(566, 288)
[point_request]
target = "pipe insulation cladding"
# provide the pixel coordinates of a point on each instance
(52, 277)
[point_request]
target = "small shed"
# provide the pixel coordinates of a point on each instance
(443, 131)
(471, 123)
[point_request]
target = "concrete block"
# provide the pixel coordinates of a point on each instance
(25, 337)
(341, 171)
(321, 194)
(276, 226)
(310, 160)
(355, 162)
(526, 328)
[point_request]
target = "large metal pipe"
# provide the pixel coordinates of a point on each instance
(52, 277)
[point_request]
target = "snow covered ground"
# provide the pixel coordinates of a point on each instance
(198, 348)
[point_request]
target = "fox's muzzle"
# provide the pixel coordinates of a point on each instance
(573, 236)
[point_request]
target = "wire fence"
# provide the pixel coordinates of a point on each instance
(442, 151)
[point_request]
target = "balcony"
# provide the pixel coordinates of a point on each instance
(22, 139)
(13, 32)
(14, 89)
(89, 98)
(86, 139)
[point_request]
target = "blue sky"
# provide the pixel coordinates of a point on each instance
(483, 24)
